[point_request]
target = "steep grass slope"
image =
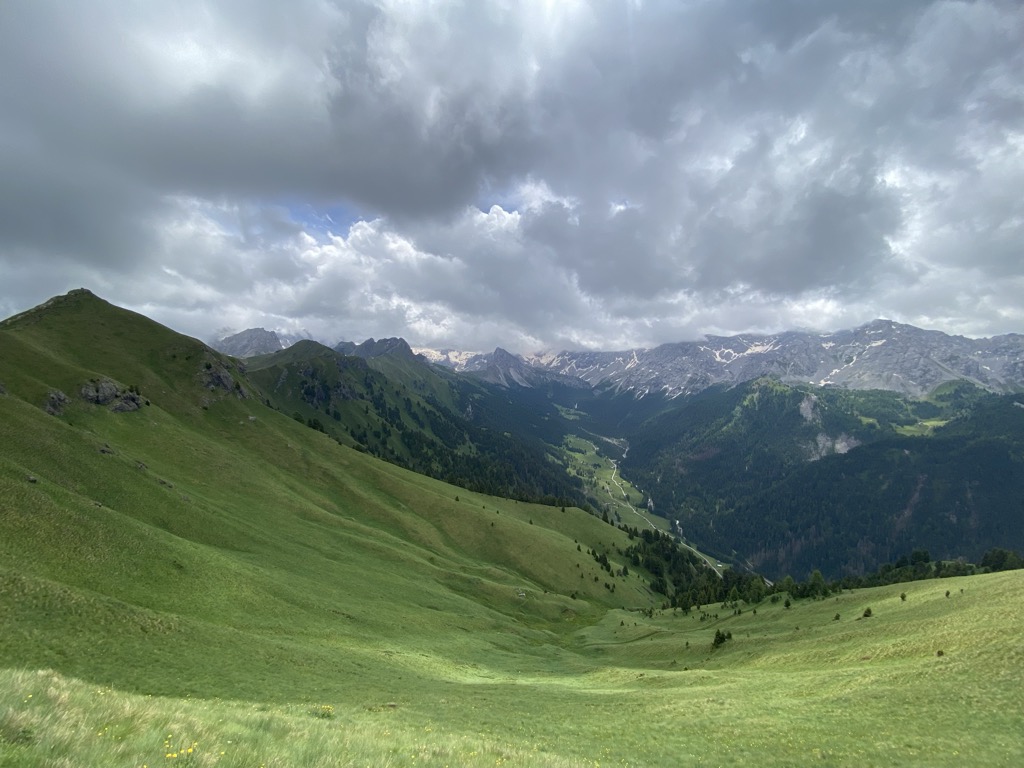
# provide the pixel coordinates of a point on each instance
(206, 518)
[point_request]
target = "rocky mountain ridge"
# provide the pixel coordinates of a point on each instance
(879, 355)
(507, 370)
(371, 348)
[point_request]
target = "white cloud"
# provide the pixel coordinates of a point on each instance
(531, 175)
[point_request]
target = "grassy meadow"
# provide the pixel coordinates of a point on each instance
(206, 582)
(624, 690)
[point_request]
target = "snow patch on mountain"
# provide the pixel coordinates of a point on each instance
(450, 358)
(880, 355)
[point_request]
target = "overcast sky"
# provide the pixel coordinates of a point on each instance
(535, 175)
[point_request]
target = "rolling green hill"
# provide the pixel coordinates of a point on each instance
(188, 576)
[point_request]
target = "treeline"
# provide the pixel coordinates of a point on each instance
(410, 426)
(919, 566)
(682, 577)
(686, 581)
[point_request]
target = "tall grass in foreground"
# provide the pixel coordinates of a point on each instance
(48, 720)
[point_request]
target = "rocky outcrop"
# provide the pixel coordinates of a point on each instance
(55, 402)
(825, 445)
(99, 391)
(127, 402)
(107, 392)
(215, 375)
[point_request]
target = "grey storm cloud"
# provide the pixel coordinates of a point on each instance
(531, 174)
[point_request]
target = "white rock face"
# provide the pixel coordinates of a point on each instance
(827, 446)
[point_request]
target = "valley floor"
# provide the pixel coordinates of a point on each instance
(792, 687)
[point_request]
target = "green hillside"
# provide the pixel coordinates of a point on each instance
(406, 412)
(790, 479)
(189, 576)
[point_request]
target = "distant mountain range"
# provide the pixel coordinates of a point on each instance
(257, 341)
(880, 355)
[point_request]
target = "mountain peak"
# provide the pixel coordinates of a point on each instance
(249, 343)
(503, 356)
(75, 299)
(506, 370)
(79, 293)
(391, 347)
(881, 324)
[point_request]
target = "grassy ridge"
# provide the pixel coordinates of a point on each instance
(205, 573)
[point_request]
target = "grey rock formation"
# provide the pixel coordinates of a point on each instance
(99, 391)
(126, 402)
(106, 392)
(55, 402)
(249, 343)
(508, 370)
(879, 355)
(215, 375)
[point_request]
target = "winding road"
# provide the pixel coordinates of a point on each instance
(713, 565)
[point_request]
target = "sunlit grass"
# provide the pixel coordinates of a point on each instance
(923, 427)
(792, 686)
(49, 719)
